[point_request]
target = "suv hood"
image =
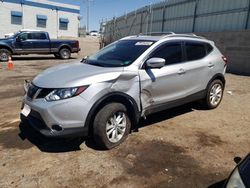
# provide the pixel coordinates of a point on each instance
(75, 74)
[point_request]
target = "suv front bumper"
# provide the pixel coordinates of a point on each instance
(65, 118)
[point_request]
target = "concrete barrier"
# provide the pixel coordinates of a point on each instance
(236, 47)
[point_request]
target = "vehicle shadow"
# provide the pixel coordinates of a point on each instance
(169, 114)
(56, 145)
(49, 145)
(29, 58)
(219, 184)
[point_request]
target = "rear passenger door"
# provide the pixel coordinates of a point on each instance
(196, 66)
(40, 42)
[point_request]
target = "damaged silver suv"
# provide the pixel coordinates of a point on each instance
(107, 93)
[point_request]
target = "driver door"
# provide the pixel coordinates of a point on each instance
(23, 43)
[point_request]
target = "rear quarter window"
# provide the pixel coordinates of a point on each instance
(195, 51)
(209, 48)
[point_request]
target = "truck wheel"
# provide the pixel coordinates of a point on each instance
(111, 125)
(64, 53)
(4, 55)
(57, 56)
(214, 94)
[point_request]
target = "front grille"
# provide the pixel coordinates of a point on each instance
(43, 92)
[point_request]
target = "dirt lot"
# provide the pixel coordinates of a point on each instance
(182, 147)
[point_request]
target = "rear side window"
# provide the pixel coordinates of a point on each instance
(171, 52)
(195, 51)
(38, 36)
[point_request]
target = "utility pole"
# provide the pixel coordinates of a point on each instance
(88, 5)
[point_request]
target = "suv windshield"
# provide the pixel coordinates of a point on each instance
(118, 54)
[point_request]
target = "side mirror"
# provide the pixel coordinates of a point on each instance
(83, 59)
(155, 63)
(18, 39)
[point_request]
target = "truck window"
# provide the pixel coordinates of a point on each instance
(24, 36)
(38, 36)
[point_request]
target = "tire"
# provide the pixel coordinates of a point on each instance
(64, 53)
(57, 56)
(214, 94)
(4, 55)
(103, 126)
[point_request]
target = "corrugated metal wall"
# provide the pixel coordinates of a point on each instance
(181, 16)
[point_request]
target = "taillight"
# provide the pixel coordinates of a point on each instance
(77, 44)
(225, 59)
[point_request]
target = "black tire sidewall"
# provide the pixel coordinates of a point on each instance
(4, 51)
(99, 125)
(208, 102)
(61, 53)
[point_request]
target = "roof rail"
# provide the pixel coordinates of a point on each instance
(156, 33)
(191, 35)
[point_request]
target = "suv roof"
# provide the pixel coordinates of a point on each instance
(160, 36)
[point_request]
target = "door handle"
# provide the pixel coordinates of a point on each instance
(210, 65)
(181, 71)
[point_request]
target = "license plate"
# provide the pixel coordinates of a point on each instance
(26, 110)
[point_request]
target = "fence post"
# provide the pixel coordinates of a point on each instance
(147, 20)
(151, 18)
(141, 21)
(195, 14)
(163, 18)
(248, 14)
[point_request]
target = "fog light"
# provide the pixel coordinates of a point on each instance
(57, 127)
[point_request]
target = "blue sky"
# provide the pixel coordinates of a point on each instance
(106, 9)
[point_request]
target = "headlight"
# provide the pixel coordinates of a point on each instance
(65, 93)
(235, 180)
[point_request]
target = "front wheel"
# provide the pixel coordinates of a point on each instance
(4, 55)
(111, 125)
(214, 94)
(64, 53)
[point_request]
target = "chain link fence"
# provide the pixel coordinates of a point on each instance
(181, 16)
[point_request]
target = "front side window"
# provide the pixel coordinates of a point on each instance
(16, 18)
(171, 52)
(195, 51)
(24, 36)
(118, 54)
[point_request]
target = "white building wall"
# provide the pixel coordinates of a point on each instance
(5, 18)
(30, 19)
(73, 21)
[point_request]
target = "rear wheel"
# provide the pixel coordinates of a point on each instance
(111, 125)
(214, 94)
(64, 53)
(4, 55)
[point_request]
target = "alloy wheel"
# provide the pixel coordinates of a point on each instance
(116, 127)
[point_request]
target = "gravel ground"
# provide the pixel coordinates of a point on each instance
(186, 146)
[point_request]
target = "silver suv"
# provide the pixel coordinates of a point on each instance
(107, 93)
